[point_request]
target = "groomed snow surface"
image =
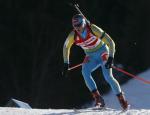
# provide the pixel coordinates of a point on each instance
(136, 92)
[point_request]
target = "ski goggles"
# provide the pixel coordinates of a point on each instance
(77, 25)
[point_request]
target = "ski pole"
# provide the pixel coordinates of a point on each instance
(120, 70)
(76, 66)
(131, 75)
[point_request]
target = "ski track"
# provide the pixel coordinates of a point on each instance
(21, 111)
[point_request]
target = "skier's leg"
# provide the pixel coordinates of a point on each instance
(123, 102)
(111, 80)
(87, 68)
(114, 85)
(99, 101)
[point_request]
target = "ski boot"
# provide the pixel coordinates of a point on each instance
(99, 101)
(123, 102)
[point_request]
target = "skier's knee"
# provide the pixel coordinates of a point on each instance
(110, 80)
(85, 71)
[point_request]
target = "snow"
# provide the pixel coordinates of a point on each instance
(136, 92)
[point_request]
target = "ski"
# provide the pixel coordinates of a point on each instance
(94, 109)
(100, 109)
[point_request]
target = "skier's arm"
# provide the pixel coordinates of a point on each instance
(97, 31)
(110, 43)
(105, 38)
(67, 45)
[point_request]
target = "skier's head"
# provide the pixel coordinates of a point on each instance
(78, 22)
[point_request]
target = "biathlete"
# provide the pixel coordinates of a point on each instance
(99, 49)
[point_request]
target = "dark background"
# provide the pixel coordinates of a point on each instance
(32, 34)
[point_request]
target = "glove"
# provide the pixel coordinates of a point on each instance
(109, 63)
(65, 70)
